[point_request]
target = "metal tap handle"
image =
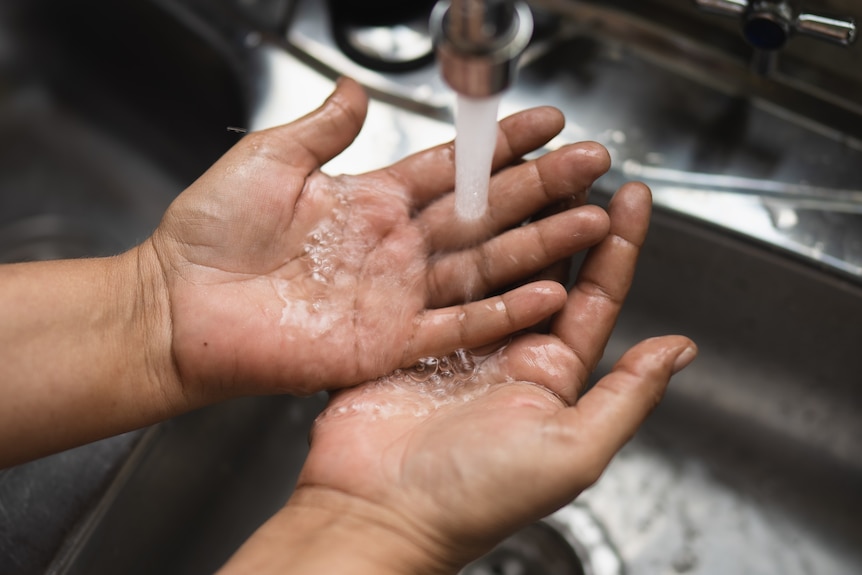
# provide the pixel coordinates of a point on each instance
(767, 24)
(836, 31)
(723, 7)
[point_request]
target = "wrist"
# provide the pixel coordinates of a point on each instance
(326, 531)
(78, 353)
(140, 284)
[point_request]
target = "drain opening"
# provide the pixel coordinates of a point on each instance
(569, 542)
(538, 549)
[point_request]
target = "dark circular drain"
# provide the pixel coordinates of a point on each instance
(568, 542)
(538, 549)
(51, 237)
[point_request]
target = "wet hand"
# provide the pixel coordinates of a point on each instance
(457, 460)
(281, 278)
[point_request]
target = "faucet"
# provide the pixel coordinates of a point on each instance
(768, 24)
(478, 43)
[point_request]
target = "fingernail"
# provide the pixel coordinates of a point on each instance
(685, 357)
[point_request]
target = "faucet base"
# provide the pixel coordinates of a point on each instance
(479, 67)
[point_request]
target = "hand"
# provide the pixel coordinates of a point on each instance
(453, 466)
(280, 278)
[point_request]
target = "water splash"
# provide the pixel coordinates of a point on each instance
(433, 382)
(324, 251)
(323, 245)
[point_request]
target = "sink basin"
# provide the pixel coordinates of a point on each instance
(750, 465)
(195, 488)
(103, 124)
(107, 111)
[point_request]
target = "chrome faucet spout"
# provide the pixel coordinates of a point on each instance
(478, 43)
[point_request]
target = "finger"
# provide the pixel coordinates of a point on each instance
(558, 271)
(539, 359)
(316, 138)
(431, 173)
(594, 303)
(483, 322)
(561, 270)
(517, 193)
(608, 415)
(514, 256)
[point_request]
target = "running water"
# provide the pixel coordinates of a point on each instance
(431, 384)
(475, 140)
(418, 391)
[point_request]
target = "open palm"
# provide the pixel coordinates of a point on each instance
(465, 457)
(284, 279)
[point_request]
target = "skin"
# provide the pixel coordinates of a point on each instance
(223, 301)
(402, 266)
(417, 490)
(269, 276)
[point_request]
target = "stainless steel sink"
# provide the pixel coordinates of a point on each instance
(194, 489)
(105, 114)
(753, 464)
(107, 111)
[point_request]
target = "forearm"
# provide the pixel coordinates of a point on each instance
(81, 353)
(338, 535)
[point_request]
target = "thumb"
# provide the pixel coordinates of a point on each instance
(608, 415)
(319, 136)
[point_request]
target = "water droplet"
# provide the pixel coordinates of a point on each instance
(433, 382)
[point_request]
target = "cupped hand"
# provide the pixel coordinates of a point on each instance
(456, 461)
(281, 278)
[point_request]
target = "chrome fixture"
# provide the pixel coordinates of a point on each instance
(570, 541)
(767, 25)
(383, 35)
(478, 43)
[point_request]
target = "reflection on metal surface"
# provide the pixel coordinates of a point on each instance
(822, 224)
(478, 44)
(397, 43)
(777, 20)
(811, 197)
(680, 518)
(537, 549)
(390, 132)
(681, 135)
(841, 32)
(310, 33)
(92, 152)
(583, 531)
(52, 237)
(767, 25)
(723, 7)
(568, 542)
(385, 36)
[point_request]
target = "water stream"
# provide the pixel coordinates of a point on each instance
(475, 140)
